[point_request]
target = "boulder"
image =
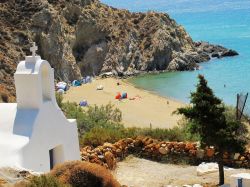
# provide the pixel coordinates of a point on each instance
(193, 153)
(163, 150)
(181, 145)
(101, 157)
(96, 160)
(118, 152)
(108, 145)
(215, 55)
(163, 145)
(170, 145)
(236, 156)
(98, 151)
(83, 152)
(225, 155)
(189, 146)
(148, 141)
(229, 53)
(210, 152)
(138, 143)
(151, 146)
(93, 156)
(242, 158)
(110, 160)
(157, 146)
(200, 153)
(129, 140)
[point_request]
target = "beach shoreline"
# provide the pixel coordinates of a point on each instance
(142, 108)
(127, 81)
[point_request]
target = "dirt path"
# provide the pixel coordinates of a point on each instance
(136, 172)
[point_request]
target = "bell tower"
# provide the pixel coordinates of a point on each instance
(34, 82)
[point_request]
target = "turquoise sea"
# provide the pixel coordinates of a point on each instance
(224, 22)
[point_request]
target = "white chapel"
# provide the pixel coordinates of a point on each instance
(34, 133)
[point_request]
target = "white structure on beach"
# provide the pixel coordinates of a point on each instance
(240, 180)
(34, 133)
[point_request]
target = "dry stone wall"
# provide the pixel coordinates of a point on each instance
(109, 154)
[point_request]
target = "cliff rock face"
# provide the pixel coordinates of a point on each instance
(85, 37)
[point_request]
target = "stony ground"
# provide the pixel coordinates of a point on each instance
(10, 176)
(136, 172)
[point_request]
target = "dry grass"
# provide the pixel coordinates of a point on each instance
(42, 181)
(84, 174)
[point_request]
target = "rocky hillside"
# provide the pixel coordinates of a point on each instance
(86, 37)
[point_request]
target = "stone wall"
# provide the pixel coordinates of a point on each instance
(170, 152)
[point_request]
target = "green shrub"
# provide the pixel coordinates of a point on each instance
(103, 117)
(73, 111)
(230, 113)
(98, 125)
(59, 99)
(98, 135)
(93, 116)
(45, 181)
(103, 132)
(174, 134)
(104, 114)
(185, 125)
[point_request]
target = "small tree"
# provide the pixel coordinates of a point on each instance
(207, 119)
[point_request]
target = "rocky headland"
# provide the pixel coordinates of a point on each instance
(86, 37)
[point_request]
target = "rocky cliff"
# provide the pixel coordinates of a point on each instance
(86, 37)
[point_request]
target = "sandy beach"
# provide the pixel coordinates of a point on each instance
(140, 109)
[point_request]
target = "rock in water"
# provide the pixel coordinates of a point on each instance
(88, 37)
(229, 52)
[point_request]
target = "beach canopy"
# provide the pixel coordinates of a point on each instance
(83, 103)
(86, 80)
(118, 96)
(124, 96)
(121, 96)
(76, 83)
(62, 86)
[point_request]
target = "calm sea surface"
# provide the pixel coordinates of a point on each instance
(224, 22)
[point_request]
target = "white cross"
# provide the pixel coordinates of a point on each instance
(33, 49)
